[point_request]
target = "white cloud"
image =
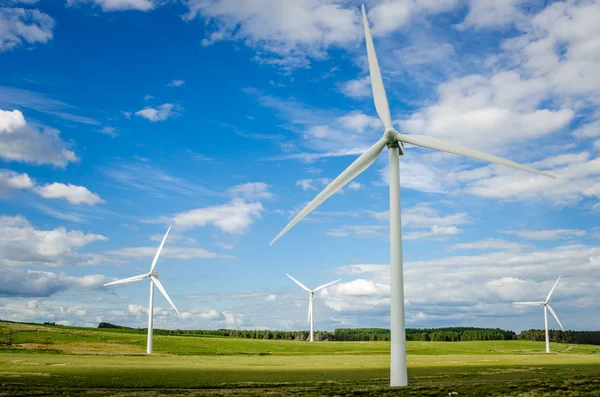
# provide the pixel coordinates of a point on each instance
(435, 231)
(136, 310)
(211, 315)
(24, 245)
(270, 297)
(489, 245)
(251, 191)
(355, 185)
(576, 178)
(547, 234)
(19, 26)
(484, 14)
(160, 113)
(179, 253)
(72, 193)
(176, 83)
(285, 34)
(489, 113)
(121, 5)
(23, 143)
(234, 217)
(233, 320)
(427, 220)
(312, 184)
(391, 15)
(10, 180)
(474, 289)
(359, 88)
(110, 131)
(28, 283)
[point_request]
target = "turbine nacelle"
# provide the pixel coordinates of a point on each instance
(153, 275)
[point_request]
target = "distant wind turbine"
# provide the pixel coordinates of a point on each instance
(546, 308)
(394, 142)
(311, 314)
(153, 276)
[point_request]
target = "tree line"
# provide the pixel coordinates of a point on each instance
(447, 334)
(577, 337)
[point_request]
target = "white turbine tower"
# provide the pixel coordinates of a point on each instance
(546, 308)
(153, 276)
(311, 301)
(394, 142)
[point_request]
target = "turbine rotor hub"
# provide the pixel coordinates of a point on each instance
(154, 274)
(390, 134)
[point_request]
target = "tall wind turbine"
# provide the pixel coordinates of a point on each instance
(394, 142)
(546, 308)
(153, 276)
(311, 301)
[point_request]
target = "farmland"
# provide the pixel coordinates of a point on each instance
(44, 360)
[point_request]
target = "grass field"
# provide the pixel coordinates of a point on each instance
(48, 360)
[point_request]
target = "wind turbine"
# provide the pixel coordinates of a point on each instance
(546, 308)
(153, 276)
(394, 142)
(311, 314)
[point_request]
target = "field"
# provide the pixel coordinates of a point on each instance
(53, 360)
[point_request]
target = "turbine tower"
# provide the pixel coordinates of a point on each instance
(394, 142)
(153, 276)
(311, 301)
(546, 308)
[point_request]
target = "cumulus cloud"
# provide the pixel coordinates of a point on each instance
(389, 16)
(488, 113)
(470, 289)
(359, 88)
(498, 14)
(270, 297)
(24, 245)
(160, 113)
(10, 180)
(23, 143)
(285, 34)
(577, 178)
(19, 26)
(28, 283)
(234, 217)
(72, 193)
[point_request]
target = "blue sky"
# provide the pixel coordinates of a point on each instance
(119, 118)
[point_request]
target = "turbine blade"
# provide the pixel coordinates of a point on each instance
(358, 166)
(437, 144)
(556, 317)
(304, 287)
(159, 249)
(552, 290)
(326, 285)
(162, 289)
(128, 280)
(528, 303)
(381, 102)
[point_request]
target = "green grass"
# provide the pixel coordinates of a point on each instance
(46, 360)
